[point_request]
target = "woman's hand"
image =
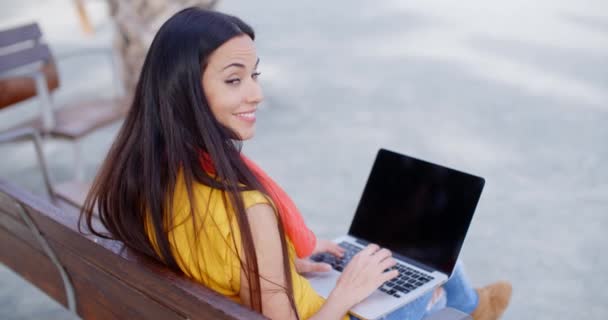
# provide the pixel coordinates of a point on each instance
(364, 274)
(307, 265)
(323, 246)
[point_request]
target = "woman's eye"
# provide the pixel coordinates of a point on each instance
(235, 81)
(256, 75)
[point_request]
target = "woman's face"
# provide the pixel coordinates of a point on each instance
(231, 86)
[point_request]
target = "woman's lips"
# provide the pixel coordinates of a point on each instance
(246, 116)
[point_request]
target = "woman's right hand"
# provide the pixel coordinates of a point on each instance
(364, 274)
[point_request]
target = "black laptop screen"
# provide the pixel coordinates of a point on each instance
(417, 209)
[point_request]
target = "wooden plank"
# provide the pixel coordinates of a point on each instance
(94, 287)
(21, 258)
(19, 88)
(17, 228)
(37, 53)
(37, 269)
(18, 34)
(161, 284)
(81, 118)
(9, 207)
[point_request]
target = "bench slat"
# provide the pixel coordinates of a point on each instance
(37, 53)
(31, 264)
(93, 286)
(19, 88)
(9, 207)
(20, 34)
(37, 269)
(76, 121)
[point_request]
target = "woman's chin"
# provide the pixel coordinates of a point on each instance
(246, 135)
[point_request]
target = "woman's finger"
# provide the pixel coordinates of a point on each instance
(318, 267)
(387, 276)
(369, 250)
(305, 265)
(387, 263)
(382, 254)
(335, 249)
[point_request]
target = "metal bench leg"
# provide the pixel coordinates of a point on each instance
(46, 106)
(79, 165)
(31, 134)
(67, 284)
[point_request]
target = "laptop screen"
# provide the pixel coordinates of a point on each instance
(417, 209)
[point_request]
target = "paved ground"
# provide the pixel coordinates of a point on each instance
(514, 91)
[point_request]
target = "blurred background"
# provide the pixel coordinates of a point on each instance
(514, 91)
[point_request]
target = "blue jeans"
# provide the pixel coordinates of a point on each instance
(459, 294)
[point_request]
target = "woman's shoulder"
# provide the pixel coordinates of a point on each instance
(211, 199)
(253, 197)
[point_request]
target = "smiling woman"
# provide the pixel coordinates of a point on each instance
(231, 87)
(176, 187)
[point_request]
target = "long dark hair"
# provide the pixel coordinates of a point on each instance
(166, 130)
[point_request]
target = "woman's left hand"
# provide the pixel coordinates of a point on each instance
(323, 246)
(307, 265)
(329, 247)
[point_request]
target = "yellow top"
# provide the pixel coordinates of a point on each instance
(212, 260)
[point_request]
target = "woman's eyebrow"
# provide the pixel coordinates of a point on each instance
(240, 65)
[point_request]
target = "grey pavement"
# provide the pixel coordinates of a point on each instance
(514, 91)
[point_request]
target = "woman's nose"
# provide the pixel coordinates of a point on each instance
(255, 94)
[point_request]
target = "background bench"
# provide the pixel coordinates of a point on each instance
(28, 70)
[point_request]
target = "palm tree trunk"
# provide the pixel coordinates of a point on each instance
(137, 21)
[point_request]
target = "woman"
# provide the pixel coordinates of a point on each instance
(176, 187)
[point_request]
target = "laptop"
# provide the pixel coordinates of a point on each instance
(421, 212)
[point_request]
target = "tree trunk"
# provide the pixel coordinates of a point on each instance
(137, 21)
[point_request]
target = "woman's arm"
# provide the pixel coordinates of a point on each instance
(360, 278)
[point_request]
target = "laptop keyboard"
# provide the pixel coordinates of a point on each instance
(408, 279)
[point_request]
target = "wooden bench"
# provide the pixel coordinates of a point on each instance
(106, 280)
(101, 279)
(28, 70)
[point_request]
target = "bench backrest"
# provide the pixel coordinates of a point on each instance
(110, 281)
(21, 47)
